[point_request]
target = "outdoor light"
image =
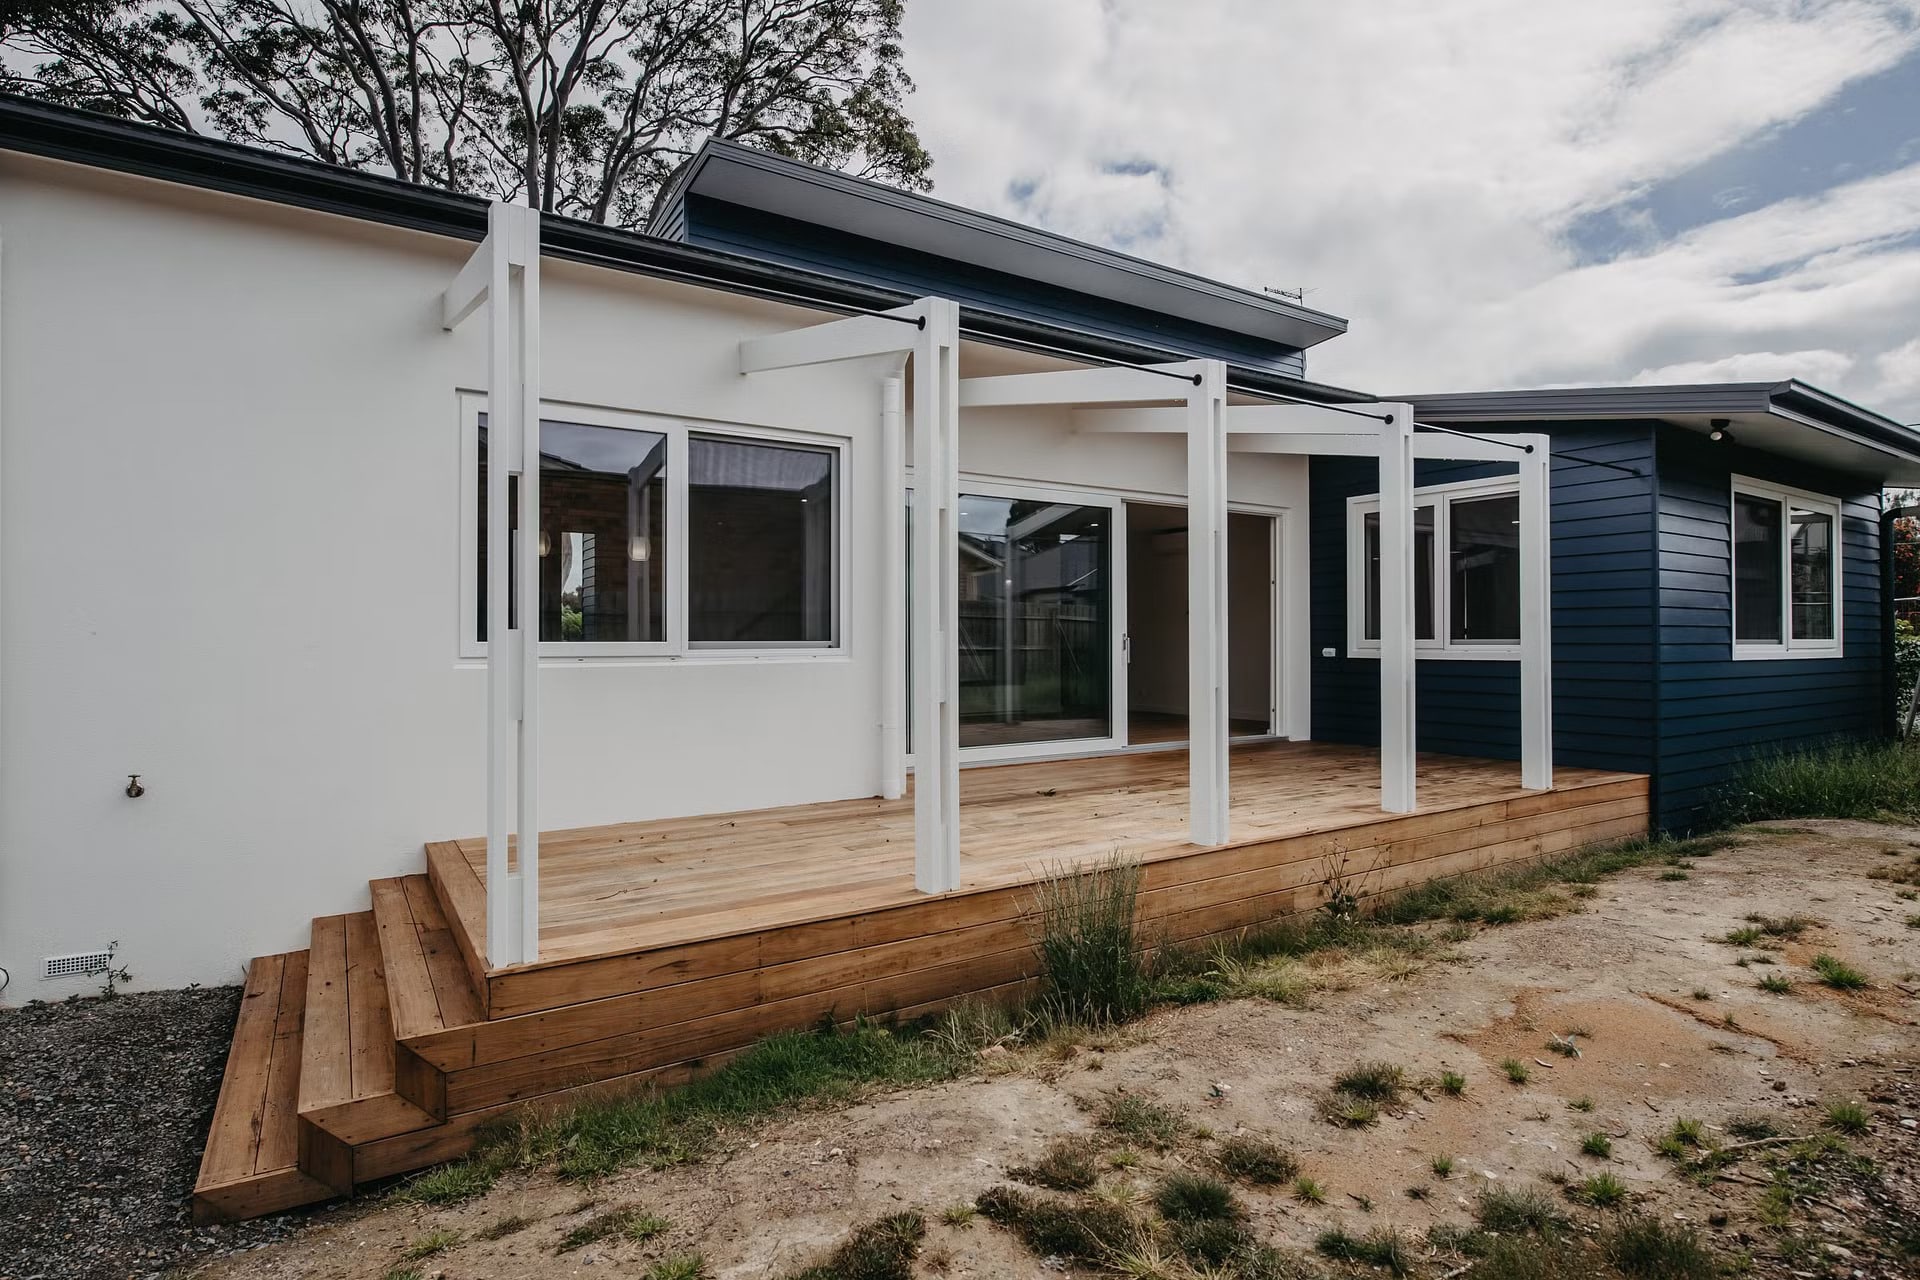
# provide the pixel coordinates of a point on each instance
(640, 550)
(546, 545)
(1722, 432)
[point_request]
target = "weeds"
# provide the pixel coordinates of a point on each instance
(1847, 1116)
(1347, 1110)
(1646, 1248)
(1307, 1191)
(1092, 959)
(1516, 1070)
(880, 1250)
(681, 1266)
(1382, 1247)
(1777, 983)
(1745, 936)
(1442, 1166)
(501, 1228)
(1453, 1084)
(1836, 973)
(1602, 1191)
(1194, 1197)
(1089, 1231)
(631, 1223)
(1581, 1104)
(1598, 1145)
(430, 1244)
(1788, 927)
(1516, 1209)
(1845, 780)
(959, 1215)
(1066, 1165)
(1141, 1120)
(1260, 1161)
(1375, 1081)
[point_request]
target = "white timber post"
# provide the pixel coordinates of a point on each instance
(936, 601)
(893, 586)
(1396, 610)
(1207, 724)
(1536, 616)
(504, 273)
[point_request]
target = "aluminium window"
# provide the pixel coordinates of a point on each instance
(660, 538)
(1466, 571)
(1786, 571)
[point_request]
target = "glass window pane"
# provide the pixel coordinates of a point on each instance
(1423, 563)
(1756, 570)
(760, 543)
(1811, 555)
(603, 509)
(1483, 566)
(1036, 621)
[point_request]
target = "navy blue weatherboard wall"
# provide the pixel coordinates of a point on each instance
(716, 224)
(1603, 613)
(1714, 712)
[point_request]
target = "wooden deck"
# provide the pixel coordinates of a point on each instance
(668, 945)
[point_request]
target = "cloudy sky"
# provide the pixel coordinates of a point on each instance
(1496, 193)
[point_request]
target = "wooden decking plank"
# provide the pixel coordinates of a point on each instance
(370, 1024)
(411, 999)
(233, 1139)
(326, 1064)
(279, 1121)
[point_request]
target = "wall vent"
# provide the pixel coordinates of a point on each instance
(85, 964)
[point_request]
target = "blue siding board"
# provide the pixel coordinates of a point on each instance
(1716, 714)
(716, 225)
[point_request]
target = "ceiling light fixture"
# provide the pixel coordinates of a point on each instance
(1722, 432)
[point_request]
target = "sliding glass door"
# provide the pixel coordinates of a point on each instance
(1037, 631)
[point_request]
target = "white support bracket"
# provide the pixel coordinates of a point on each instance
(504, 273)
(1396, 610)
(1536, 614)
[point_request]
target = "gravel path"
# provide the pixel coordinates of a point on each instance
(103, 1108)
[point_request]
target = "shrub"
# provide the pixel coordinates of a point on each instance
(1843, 780)
(1091, 957)
(1257, 1160)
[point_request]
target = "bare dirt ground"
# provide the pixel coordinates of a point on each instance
(1670, 1026)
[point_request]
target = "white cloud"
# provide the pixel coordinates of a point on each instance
(1752, 366)
(1419, 169)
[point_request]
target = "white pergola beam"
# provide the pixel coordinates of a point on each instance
(893, 586)
(469, 288)
(1076, 387)
(849, 339)
(1309, 444)
(1396, 611)
(1454, 448)
(1168, 420)
(1304, 419)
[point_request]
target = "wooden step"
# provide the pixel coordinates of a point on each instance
(356, 1084)
(428, 986)
(251, 1162)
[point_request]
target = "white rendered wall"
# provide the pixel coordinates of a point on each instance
(230, 560)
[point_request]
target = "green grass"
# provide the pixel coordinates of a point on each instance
(1788, 927)
(1453, 1084)
(1843, 1115)
(1194, 1197)
(1141, 1120)
(1582, 1104)
(1066, 1165)
(1675, 874)
(1598, 1145)
(1745, 936)
(681, 1266)
(1517, 1209)
(1442, 1166)
(629, 1223)
(880, 1250)
(1383, 1247)
(1258, 1160)
(1646, 1248)
(1347, 1110)
(501, 1228)
(1848, 780)
(1307, 1191)
(959, 1215)
(1374, 1081)
(1778, 983)
(1092, 960)
(430, 1244)
(404, 1273)
(1602, 1191)
(1836, 973)
(1516, 1070)
(1087, 1231)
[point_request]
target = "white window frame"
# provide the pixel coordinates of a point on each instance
(1441, 498)
(676, 646)
(1788, 646)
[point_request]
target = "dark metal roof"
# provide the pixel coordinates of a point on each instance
(1789, 417)
(103, 142)
(749, 178)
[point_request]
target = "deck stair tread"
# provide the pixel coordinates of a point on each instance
(429, 989)
(349, 1084)
(250, 1165)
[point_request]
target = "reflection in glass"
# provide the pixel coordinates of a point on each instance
(1811, 563)
(760, 543)
(1036, 621)
(1483, 566)
(1423, 565)
(1756, 570)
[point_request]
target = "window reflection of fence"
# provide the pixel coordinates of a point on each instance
(1045, 660)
